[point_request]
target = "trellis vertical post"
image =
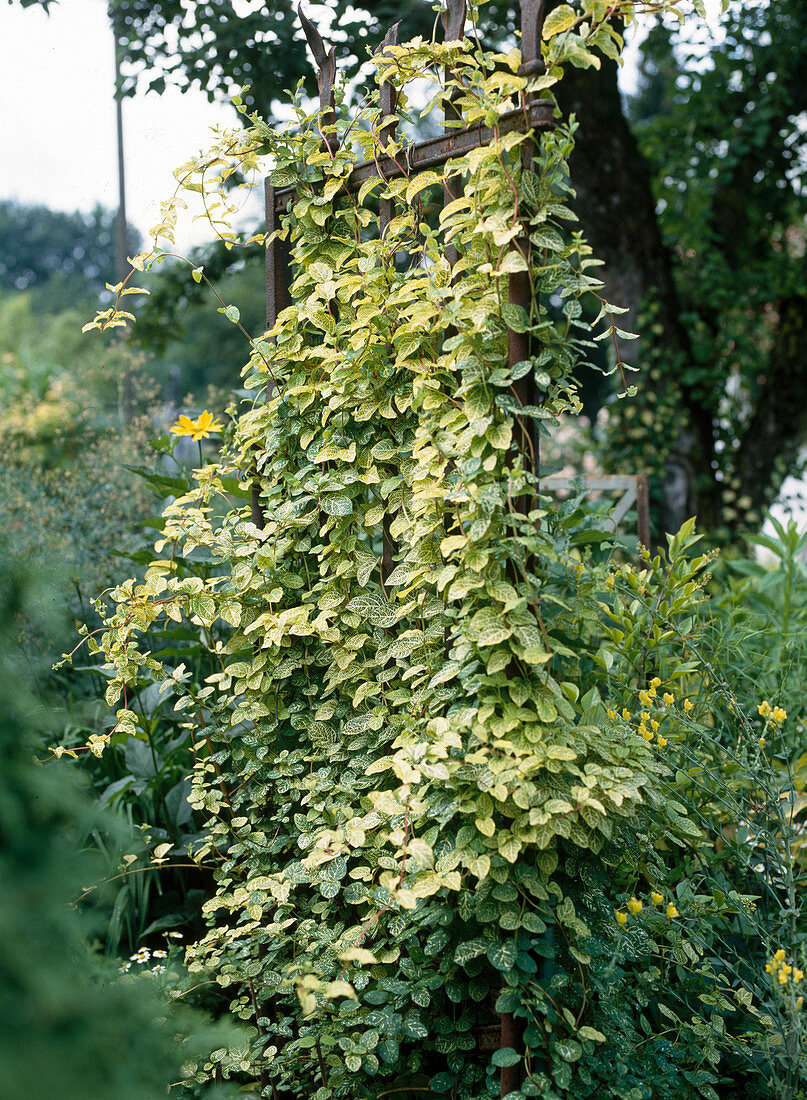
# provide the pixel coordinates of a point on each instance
(453, 28)
(388, 103)
(520, 293)
(520, 288)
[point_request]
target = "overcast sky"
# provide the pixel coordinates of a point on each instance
(57, 117)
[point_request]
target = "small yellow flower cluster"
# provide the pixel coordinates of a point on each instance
(771, 714)
(668, 699)
(646, 697)
(648, 726)
(784, 972)
(644, 721)
(634, 907)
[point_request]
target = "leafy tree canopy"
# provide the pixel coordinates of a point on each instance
(222, 46)
(720, 126)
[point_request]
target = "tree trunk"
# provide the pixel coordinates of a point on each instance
(616, 207)
(777, 428)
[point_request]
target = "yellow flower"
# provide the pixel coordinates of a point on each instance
(779, 714)
(609, 583)
(635, 906)
(761, 742)
(612, 714)
(647, 697)
(661, 741)
(688, 707)
(797, 974)
(656, 897)
(644, 716)
(655, 682)
(654, 725)
(780, 955)
(645, 732)
(201, 428)
(621, 918)
(668, 698)
(782, 978)
(672, 912)
(764, 708)
(626, 714)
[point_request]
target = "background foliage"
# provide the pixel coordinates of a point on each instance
(65, 259)
(72, 1027)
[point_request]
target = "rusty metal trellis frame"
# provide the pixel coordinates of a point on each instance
(633, 488)
(533, 114)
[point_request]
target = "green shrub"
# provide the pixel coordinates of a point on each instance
(72, 1027)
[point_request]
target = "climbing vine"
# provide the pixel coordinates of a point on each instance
(412, 779)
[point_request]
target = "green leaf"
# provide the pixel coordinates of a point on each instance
(546, 236)
(505, 1056)
(414, 1026)
(502, 956)
(515, 317)
(558, 21)
(470, 950)
(337, 505)
(421, 182)
(487, 627)
(587, 1032)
